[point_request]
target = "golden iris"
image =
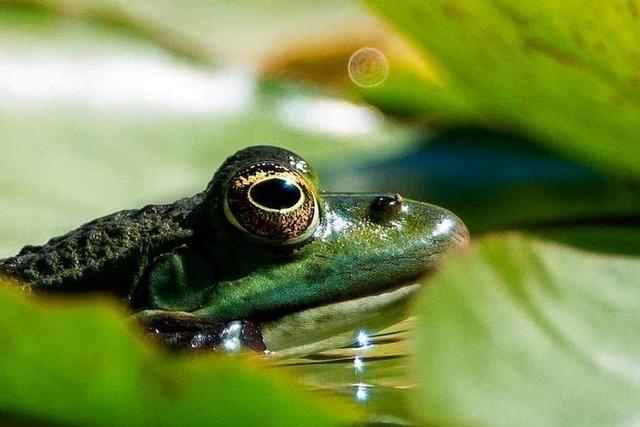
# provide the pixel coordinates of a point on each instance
(273, 203)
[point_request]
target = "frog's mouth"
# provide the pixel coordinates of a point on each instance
(285, 334)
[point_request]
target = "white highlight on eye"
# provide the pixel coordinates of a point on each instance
(300, 165)
(330, 116)
(121, 82)
(443, 227)
(362, 392)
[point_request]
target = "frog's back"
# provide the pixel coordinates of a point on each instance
(109, 253)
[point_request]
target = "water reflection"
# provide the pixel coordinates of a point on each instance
(358, 365)
(231, 337)
(372, 371)
(362, 392)
(363, 339)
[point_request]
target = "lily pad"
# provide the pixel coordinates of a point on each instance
(81, 364)
(563, 73)
(536, 331)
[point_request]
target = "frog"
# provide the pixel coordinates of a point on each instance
(262, 244)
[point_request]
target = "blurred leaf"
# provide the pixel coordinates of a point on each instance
(109, 14)
(527, 331)
(80, 364)
(563, 73)
(224, 25)
(202, 30)
(117, 125)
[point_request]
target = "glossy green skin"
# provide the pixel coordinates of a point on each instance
(187, 257)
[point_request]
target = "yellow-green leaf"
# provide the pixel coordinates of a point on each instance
(565, 73)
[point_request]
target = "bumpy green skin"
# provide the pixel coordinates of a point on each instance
(187, 257)
(107, 254)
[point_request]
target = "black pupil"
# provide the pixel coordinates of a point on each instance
(275, 193)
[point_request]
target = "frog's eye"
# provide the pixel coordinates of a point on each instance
(273, 203)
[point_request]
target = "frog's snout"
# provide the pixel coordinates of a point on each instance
(456, 230)
(437, 222)
(431, 227)
(438, 226)
(442, 223)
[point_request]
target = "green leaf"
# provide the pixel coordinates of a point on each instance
(82, 364)
(564, 73)
(531, 331)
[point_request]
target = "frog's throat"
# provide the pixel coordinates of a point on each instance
(336, 323)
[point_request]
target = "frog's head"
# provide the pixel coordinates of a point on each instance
(283, 245)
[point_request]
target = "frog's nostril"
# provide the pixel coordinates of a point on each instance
(385, 208)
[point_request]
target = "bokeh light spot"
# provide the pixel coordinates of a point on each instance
(368, 67)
